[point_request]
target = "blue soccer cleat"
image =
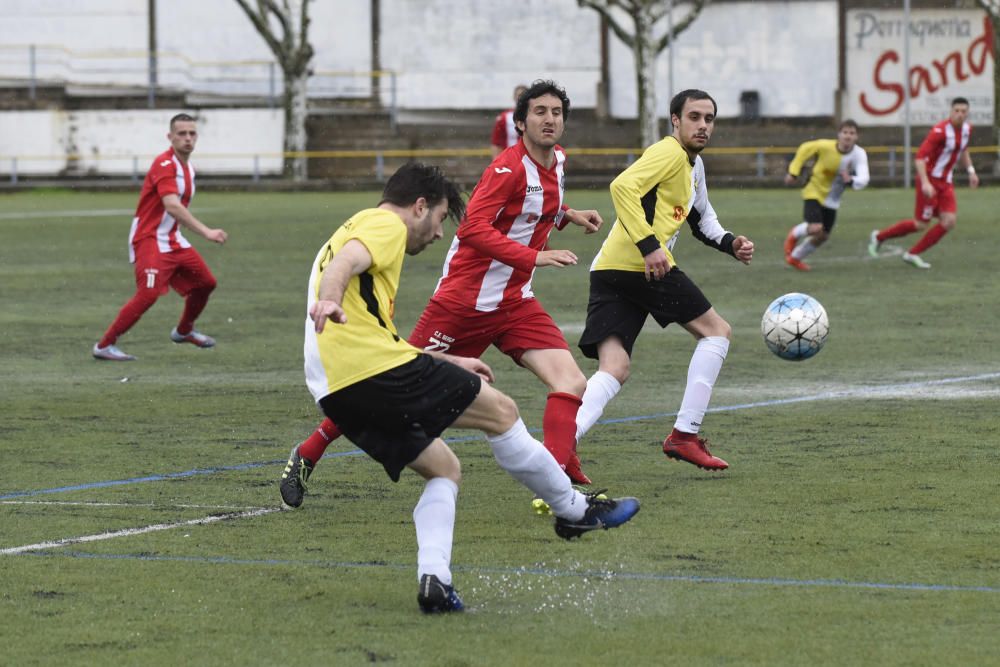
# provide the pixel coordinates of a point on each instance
(601, 512)
(436, 597)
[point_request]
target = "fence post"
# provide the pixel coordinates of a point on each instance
(256, 169)
(271, 83)
(892, 165)
(393, 111)
(379, 167)
(135, 169)
(31, 72)
(13, 170)
(760, 164)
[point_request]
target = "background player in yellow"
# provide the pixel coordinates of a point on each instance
(838, 163)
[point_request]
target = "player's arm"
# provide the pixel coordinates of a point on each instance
(966, 161)
(925, 182)
(861, 176)
(704, 224)
(477, 230)
(180, 213)
(470, 364)
(590, 219)
(351, 260)
(804, 152)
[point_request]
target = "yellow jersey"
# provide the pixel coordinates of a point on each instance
(368, 344)
(825, 184)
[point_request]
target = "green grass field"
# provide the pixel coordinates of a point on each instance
(857, 523)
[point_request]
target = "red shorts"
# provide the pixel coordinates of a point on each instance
(943, 201)
(183, 269)
(467, 333)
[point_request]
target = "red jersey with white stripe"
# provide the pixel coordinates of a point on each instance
(942, 147)
(507, 222)
(167, 176)
(504, 133)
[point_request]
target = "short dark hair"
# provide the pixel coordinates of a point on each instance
(677, 104)
(415, 180)
(848, 122)
(538, 88)
(181, 117)
(960, 100)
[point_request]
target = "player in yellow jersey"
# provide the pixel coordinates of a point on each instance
(634, 275)
(837, 164)
(393, 400)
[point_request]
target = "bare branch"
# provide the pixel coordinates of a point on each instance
(603, 8)
(682, 25)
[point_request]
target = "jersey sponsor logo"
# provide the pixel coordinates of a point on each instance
(533, 188)
(439, 342)
(678, 213)
(166, 163)
(502, 170)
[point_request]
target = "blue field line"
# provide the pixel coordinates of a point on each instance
(602, 575)
(830, 395)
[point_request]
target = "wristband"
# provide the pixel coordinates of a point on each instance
(970, 169)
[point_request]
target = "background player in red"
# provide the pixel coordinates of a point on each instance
(946, 144)
(504, 132)
(163, 258)
(484, 296)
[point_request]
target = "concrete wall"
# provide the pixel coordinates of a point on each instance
(121, 142)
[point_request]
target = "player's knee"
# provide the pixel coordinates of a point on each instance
(208, 285)
(505, 413)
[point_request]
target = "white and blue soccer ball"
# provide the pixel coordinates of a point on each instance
(795, 326)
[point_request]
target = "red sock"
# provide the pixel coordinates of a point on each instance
(932, 236)
(314, 446)
(559, 425)
(901, 228)
(194, 303)
(129, 315)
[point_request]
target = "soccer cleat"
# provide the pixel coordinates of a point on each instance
(602, 512)
(436, 597)
(293, 480)
(542, 508)
(110, 353)
(574, 472)
(873, 243)
(916, 260)
(797, 263)
(689, 447)
(195, 338)
(790, 243)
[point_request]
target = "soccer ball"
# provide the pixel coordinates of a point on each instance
(795, 326)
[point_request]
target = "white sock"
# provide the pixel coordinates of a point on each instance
(601, 388)
(434, 518)
(527, 461)
(706, 362)
(800, 230)
(804, 249)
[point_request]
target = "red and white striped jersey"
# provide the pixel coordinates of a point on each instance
(507, 222)
(167, 176)
(941, 149)
(504, 133)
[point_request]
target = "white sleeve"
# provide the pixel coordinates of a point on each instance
(702, 218)
(861, 175)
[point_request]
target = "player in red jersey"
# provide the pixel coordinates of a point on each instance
(484, 296)
(946, 144)
(163, 258)
(504, 132)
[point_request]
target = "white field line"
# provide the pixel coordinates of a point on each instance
(85, 213)
(129, 532)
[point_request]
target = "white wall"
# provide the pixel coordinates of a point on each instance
(118, 142)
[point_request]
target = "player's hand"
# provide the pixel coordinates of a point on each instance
(743, 249)
(789, 179)
(928, 190)
(973, 180)
(217, 235)
(322, 311)
(555, 258)
(590, 220)
(473, 365)
(657, 264)
(846, 177)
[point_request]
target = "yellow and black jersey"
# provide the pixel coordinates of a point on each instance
(825, 184)
(653, 198)
(368, 343)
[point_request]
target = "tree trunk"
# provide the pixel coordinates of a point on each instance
(296, 167)
(645, 73)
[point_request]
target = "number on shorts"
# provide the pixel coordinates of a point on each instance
(437, 345)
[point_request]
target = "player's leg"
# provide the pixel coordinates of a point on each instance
(946, 209)
(804, 233)
(194, 281)
(302, 462)
(152, 275)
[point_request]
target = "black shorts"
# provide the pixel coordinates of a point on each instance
(621, 300)
(395, 415)
(813, 211)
